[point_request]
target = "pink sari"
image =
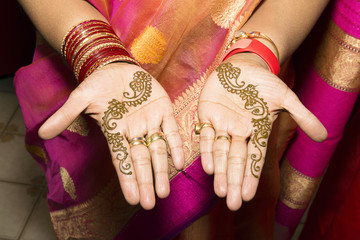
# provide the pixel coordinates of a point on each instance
(328, 88)
(180, 43)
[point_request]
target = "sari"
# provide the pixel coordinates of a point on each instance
(327, 80)
(335, 212)
(329, 88)
(180, 43)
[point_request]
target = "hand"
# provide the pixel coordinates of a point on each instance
(127, 103)
(241, 100)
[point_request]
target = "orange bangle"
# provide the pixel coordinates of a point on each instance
(260, 49)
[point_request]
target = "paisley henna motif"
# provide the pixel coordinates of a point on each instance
(141, 87)
(228, 77)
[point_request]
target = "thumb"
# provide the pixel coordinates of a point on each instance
(64, 116)
(307, 121)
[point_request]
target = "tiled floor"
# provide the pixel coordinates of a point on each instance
(23, 211)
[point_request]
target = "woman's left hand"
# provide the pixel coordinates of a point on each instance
(241, 100)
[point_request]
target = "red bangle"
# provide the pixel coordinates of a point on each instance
(91, 45)
(255, 46)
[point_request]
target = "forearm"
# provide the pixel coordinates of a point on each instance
(287, 23)
(55, 18)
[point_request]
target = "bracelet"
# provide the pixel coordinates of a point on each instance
(91, 45)
(241, 34)
(260, 49)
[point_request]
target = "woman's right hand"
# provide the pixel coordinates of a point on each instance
(127, 102)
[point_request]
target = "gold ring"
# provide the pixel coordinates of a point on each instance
(154, 137)
(137, 141)
(200, 126)
(228, 138)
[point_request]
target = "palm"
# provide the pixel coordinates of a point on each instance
(127, 103)
(241, 99)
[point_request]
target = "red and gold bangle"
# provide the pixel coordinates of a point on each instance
(241, 34)
(78, 28)
(90, 45)
(79, 60)
(260, 49)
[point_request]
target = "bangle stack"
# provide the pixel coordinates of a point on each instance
(246, 42)
(91, 45)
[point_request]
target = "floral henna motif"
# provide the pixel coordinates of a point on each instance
(141, 87)
(228, 77)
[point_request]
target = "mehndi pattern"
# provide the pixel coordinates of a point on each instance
(229, 79)
(141, 91)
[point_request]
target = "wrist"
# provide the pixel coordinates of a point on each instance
(248, 57)
(92, 45)
(258, 48)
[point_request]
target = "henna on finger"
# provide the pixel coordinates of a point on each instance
(229, 78)
(141, 87)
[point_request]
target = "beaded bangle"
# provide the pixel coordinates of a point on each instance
(90, 45)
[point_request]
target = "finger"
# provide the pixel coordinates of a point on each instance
(235, 172)
(142, 165)
(255, 161)
(304, 118)
(124, 167)
(64, 116)
(172, 134)
(207, 136)
(159, 158)
(220, 155)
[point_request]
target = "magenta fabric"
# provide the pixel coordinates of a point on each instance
(54, 83)
(287, 216)
(335, 212)
(333, 108)
(346, 15)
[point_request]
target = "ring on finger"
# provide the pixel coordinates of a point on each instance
(137, 140)
(156, 136)
(200, 126)
(224, 137)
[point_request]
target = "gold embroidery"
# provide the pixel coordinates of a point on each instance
(37, 151)
(68, 183)
(79, 126)
(149, 47)
(338, 59)
(224, 12)
(185, 110)
(102, 217)
(296, 189)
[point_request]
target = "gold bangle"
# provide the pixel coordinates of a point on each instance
(108, 60)
(73, 30)
(254, 34)
(78, 62)
(92, 40)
